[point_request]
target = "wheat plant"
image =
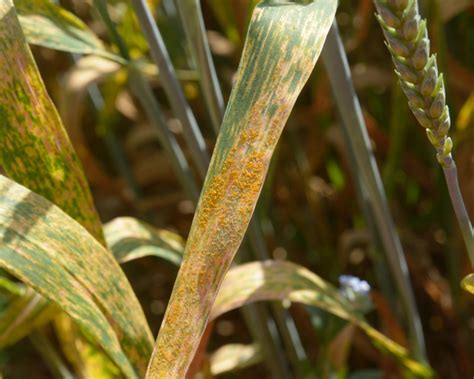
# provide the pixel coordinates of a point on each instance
(407, 40)
(63, 282)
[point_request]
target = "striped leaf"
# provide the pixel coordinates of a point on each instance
(47, 24)
(129, 239)
(277, 280)
(281, 49)
(56, 256)
(36, 150)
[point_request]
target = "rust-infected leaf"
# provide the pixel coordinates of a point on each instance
(281, 49)
(56, 256)
(36, 150)
(278, 280)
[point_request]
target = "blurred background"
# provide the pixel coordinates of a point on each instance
(308, 209)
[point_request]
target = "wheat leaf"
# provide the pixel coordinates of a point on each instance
(36, 150)
(56, 256)
(129, 239)
(277, 280)
(49, 25)
(282, 46)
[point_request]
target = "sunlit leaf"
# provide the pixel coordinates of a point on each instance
(47, 24)
(468, 283)
(130, 239)
(54, 255)
(234, 357)
(282, 46)
(277, 280)
(36, 152)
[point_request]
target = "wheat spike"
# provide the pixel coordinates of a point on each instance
(407, 40)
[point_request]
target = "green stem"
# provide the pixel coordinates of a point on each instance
(335, 60)
(51, 357)
(172, 87)
(451, 176)
(191, 16)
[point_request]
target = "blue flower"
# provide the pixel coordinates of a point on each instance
(357, 291)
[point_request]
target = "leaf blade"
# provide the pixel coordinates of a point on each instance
(129, 239)
(282, 46)
(55, 255)
(49, 25)
(279, 280)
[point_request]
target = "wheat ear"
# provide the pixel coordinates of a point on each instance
(407, 40)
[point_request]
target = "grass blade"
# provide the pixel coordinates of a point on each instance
(278, 280)
(51, 356)
(47, 24)
(357, 139)
(286, 39)
(172, 87)
(193, 22)
(130, 239)
(53, 254)
(36, 150)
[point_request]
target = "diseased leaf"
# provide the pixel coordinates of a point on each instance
(129, 239)
(282, 46)
(49, 25)
(53, 254)
(36, 150)
(278, 280)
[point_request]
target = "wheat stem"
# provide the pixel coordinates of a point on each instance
(407, 40)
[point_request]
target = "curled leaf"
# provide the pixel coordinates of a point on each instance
(277, 280)
(49, 25)
(129, 239)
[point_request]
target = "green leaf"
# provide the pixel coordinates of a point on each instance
(53, 254)
(282, 46)
(129, 239)
(47, 24)
(278, 280)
